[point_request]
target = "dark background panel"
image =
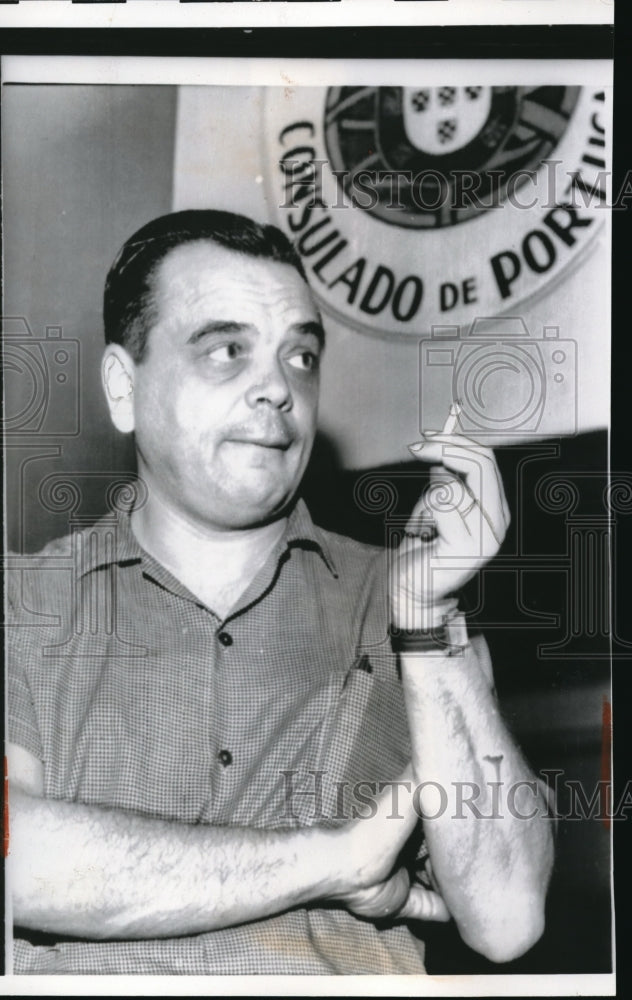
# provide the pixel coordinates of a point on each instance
(544, 41)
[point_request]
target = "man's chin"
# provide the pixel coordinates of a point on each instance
(248, 508)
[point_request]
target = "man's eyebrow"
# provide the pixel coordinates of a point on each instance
(217, 326)
(311, 328)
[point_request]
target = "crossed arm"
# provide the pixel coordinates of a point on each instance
(486, 818)
(103, 873)
(492, 859)
(106, 873)
(490, 838)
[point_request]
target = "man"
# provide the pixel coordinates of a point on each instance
(187, 770)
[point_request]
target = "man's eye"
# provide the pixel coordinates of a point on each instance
(306, 361)
(223, 353)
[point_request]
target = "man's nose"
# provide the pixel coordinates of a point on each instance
(271, 386)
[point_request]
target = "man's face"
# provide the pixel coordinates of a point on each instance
(226, 397)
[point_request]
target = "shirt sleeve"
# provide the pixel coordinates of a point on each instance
(20, 648)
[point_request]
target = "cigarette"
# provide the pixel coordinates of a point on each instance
(453, 416)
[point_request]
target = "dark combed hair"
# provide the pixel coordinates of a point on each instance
(128, 302)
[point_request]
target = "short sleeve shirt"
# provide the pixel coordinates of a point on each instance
(137, 696)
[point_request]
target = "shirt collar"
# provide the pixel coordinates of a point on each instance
(113, 541)
(302, 530)
(110, 540)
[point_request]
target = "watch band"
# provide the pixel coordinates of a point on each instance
(447, 639)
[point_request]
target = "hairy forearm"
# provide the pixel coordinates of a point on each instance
(491, 862)
(104, 873)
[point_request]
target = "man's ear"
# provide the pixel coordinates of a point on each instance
(117, 372)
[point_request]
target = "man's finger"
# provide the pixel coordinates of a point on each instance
(424, 904)
(441, 507)
(453, 509)
(445, 494)
(475, 448)
(479, 469)
(457, 439)
(426, 569)
(460, 531)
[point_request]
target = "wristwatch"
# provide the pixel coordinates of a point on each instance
(448, 637)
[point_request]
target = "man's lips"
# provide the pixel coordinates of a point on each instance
(279, 441)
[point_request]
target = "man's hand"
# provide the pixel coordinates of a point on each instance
(466, 504)
(383, 888)
(397, 899)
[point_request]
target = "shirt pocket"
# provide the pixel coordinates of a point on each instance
(368, 741)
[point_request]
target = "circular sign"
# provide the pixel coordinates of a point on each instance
(413, 207)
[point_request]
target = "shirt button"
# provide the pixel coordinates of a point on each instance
(225, 638)
(225, 757)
